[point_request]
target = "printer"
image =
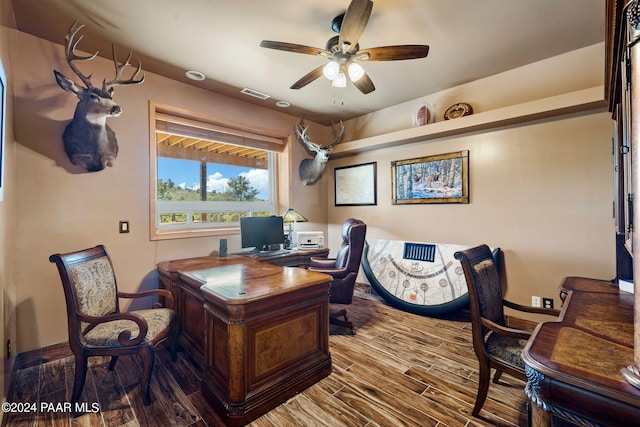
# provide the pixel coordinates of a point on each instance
(310, 240)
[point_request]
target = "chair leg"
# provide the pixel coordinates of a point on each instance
(173, 341)
(112, 364)
(496, 376)
(483, 387)
(333, 318)
(147, 355)
(80, 376)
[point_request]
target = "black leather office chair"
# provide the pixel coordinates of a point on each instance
(343, 268)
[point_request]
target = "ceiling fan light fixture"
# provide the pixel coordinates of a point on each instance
(340, 80)
(355, 71)
(343, 51)
(331, 70)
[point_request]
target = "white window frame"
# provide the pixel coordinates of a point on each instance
(173, 119)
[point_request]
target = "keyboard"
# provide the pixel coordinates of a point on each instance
(245, 252)
(273, 253)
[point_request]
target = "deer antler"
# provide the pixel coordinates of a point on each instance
(70, 50)
(337, 134)
(301, 130)
(107, 86)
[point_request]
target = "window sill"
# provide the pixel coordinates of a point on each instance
(170, 234)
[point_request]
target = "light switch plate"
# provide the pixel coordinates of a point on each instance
(124, 226)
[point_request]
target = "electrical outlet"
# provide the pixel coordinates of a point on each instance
(536, 302)
(547, 302)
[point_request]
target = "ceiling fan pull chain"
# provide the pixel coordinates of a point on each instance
(340, 92)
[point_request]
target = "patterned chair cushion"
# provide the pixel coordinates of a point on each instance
(95, 286)
(507, 349)
(106, 334)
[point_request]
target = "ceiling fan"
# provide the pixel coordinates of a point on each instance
(344, 53)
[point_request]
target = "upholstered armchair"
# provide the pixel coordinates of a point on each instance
(496, 344)
(343, 268)
(96, 325)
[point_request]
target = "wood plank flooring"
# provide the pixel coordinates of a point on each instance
(399, 369)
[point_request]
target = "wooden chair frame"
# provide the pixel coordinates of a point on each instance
(140, 344)
(475, 262)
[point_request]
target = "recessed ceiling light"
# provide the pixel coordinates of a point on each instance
(283, 104)
(194, 75)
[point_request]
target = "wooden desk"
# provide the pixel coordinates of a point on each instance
(295, 258)
(260, 331)
(573, 364)
(189, 301)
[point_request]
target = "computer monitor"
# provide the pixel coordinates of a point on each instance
(262, 232)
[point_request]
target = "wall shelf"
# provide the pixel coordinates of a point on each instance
(569, 103)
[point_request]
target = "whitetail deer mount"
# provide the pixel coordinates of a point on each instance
(310, 170)
(88, 141)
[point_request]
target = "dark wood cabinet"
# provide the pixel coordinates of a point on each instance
(620, 73)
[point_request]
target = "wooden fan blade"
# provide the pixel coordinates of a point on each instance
(354, 22)
(308, 78)
(295, 48)
(364, 84)
(393, 53)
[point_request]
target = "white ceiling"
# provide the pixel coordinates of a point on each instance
(468, 39)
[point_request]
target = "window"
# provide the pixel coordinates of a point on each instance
(206, 174)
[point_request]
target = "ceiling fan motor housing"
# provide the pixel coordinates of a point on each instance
(333, 47)
(336, 24)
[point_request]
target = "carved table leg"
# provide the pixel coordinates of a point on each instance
(539, 417)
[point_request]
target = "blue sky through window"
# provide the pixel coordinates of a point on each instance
(186, 174)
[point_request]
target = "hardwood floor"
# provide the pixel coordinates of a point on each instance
(399, 369)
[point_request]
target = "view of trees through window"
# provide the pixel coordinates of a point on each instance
(239, 189)
(207, 172)
(191, 192)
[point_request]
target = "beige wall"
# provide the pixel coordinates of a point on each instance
(570, 72)
(7, 205)
(62, 209)
(542, 191)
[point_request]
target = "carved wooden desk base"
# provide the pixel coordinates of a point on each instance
(574, 364)
(262, 332)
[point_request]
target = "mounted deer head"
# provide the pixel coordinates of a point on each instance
(88, 141)
(311, 169)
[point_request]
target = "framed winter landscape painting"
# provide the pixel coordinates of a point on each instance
(435, 179)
